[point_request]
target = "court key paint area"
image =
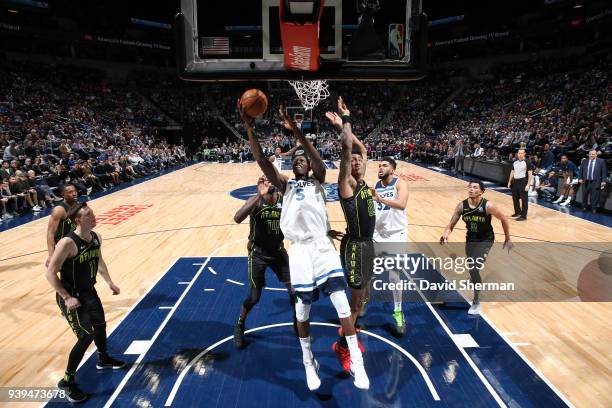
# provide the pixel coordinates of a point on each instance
(178, 341)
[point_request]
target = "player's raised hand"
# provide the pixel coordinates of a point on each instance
(342, 107)
(288, 123)
(248, 121)
(263, 185)
(335, 119)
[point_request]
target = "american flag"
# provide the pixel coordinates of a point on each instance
(214, 45)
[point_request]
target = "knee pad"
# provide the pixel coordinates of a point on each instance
(341, 304)
(302, 311)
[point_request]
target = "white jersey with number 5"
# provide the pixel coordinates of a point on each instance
(304, 216)
(389, 221)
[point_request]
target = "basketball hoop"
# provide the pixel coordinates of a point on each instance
(311, 93)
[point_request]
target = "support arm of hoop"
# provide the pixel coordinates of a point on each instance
(301, 39)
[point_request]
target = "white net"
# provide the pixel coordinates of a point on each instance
(311, 92)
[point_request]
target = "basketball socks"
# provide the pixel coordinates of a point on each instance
(310, 365)
(357, 368)
(69, 377)
(306, 350)
(353, 347)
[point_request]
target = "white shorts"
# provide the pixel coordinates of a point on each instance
(401, 236)
(311, 264)
(390, 244)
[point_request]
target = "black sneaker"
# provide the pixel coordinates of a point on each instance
(73, 392)
(239, 336)
(106, 362)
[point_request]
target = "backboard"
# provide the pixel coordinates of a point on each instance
(358, 39)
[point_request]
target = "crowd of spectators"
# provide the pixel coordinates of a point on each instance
(556, 110)
(60, 124)
(65, 124)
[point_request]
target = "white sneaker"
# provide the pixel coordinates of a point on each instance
(8, 216)
(567, 202)
(89, 189)
(312, 378)
(36, 208)
(474, 309)
(361, 377)
(558, 200)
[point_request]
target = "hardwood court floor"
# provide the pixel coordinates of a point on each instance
(191, 213)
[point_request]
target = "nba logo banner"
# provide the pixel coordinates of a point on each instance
(396, 41)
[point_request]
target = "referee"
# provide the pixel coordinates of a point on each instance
(519, 182)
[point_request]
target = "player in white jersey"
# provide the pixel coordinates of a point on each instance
(314, 264)
(391, 196)
(279, 157)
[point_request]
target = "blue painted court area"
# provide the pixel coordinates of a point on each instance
(178, 341)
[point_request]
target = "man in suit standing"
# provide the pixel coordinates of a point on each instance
(459, 155)
(593, 179)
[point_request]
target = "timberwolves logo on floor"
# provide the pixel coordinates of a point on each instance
(244, 193)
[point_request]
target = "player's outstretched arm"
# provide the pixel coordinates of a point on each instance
(246, 209)
(359, 147)
(285, 154)
(278, 180)
(253, 202)
(290, 152)
(317, 165)
(496, 212)
(402, 196)
(346, 182)
(451, 225)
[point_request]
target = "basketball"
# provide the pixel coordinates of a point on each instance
(254, 102)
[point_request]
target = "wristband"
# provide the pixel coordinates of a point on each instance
(346, 119)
